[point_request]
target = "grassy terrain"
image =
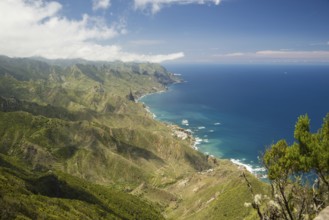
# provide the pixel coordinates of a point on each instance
(56, 195)
(74, 144)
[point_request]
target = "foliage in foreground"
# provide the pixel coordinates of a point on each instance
(299, 175)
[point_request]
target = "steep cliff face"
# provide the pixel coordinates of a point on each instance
(65, 121)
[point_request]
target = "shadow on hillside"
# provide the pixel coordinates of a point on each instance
(12, 104)
(196, 162)
(50, 186)
(136, 153)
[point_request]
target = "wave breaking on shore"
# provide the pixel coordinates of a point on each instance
(187, 131)
(256, 170)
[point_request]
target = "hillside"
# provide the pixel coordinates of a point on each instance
(75, 144)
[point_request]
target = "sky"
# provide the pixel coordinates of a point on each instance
(163, 31)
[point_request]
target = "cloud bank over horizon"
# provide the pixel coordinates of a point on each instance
(165, 30)
(36, 28)
(292, 56)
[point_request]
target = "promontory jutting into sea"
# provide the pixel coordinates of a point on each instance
(236, 112)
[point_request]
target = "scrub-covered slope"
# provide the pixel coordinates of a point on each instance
(68, 125)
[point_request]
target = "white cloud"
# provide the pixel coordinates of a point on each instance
(276, 56)
(101, 4)
(146, 42)
(35, 28)
(237, 54)
(284, 54)
(127, 57)
(156, 5)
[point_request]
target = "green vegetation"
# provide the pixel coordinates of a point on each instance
(56, 195)
(74, 144)
(299, 174)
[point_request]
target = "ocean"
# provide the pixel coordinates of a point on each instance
(236, 112)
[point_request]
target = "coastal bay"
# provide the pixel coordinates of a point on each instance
(236, 112)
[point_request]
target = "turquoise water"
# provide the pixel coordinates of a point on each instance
(237, 111)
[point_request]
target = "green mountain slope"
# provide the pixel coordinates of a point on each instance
(72, 124)
(56, 195)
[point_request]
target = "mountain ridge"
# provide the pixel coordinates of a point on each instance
(77, 121)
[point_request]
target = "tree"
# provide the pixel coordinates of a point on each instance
(298, 174)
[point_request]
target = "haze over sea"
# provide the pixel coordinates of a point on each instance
(235, 112)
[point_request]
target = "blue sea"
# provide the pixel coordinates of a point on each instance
(236, 112)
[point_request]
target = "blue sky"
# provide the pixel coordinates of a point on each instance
(207, 31)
